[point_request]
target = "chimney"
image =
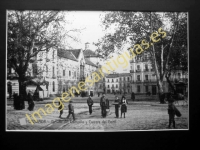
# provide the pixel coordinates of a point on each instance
(87, 45)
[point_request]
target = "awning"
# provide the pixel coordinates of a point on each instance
(31, 88)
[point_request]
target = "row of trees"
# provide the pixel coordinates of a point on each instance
(167, 55)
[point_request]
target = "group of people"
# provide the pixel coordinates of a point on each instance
(105, 107)
(104, 104)
(19, 101)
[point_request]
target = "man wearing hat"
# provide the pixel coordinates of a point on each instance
(117, 105)
(90, 103)
(30, 101)
(71, 110)
(171, 110)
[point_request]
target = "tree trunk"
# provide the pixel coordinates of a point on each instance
(22, 89)
(170, 84)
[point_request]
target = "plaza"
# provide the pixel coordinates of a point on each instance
(141, 115)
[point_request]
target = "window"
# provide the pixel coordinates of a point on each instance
(128, 78)
(63, 72)
(146, 67)
(179, 75)
(112, 80)
(138, 67)
(112, 85)
(108, 86)
(108, 80)
(116, 86)
(145, 56)
(47, 69)
(74, 74)
(69, 73)
(120, 79)
(53, 86)
(53, 72)
(53, 55)
(138, 77)
(117, 80)
(138, 89)
(146, 77)
(147, 88)
(124, 79)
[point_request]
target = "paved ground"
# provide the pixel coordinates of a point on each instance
(141, 115)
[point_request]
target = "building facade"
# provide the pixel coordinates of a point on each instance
(60, 68)
(143, 76)
(118, 83)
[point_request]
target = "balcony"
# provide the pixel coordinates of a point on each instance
(146, 81)
(82, 78)
(138, 70)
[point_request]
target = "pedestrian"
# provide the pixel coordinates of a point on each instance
(171, 110)
(60, 109)
(117, 105)
(123, 97)
(71, 110)
(123, 107)
(90, 103)
(133, 96)
(103, 106)
(107, 107)
(30, 101)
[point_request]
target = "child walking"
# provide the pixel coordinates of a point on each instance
(71, 110)
(60, 109)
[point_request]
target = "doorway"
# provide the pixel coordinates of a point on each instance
(154, 90)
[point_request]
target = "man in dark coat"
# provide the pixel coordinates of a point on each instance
(90, 103)
(117, 105)
(30, 101)
(71, 110)
(171, 110)
(103, 106)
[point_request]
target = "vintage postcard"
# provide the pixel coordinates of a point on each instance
(80, 71)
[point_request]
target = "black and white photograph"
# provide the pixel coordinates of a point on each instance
(96, 71)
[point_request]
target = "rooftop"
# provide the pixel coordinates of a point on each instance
(90, 53)
(112, 76)
(66, 54)
(75, 52)
(87, 61)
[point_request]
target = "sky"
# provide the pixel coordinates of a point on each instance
(90, 24)
(91, 30)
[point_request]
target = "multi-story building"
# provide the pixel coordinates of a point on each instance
(112, 83)
(125, 83)
(118, 83)
(60, 68)
(144, 78)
